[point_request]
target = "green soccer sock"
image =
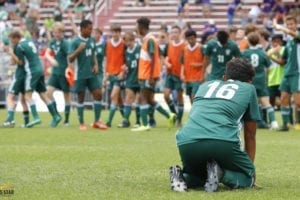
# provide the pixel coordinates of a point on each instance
(26, 117)
(112, 111)
(171, 106)
(285, 114)
(10, 115)
(80, 108)
(51, 108)
(55, 108)
(180, 112)
(121, 108)
(271, 114)
(97, 110)
(127, 111)
(67, 112)
(292, 115)
(151, 110)
(144, 109)
(137, 114)
(34, 111)
(161, 110)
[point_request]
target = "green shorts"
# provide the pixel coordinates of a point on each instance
(274, 91)
(192, 87)
(35, 82)
(100, 78)
(134, 89)
(17, 86)
(290, 84)
(91, 83)
(262, 92)
(114, 81)
(236, 164)
(173, 82)
(144, 84)
(59, 82)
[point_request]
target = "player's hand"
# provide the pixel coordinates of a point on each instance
(81, 46)
(52, 61)
(95, 69)
(121, 76)
(152, 82)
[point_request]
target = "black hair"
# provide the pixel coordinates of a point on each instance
(277, 36)
(222, 37)
(190, 33)
(84, 23)
(144, 22)
(239, 69)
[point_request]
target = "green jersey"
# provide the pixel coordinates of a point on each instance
(20, 70)
(132, 60)
(84, 62)
(219, 56)
(292, 56)
(27, 50)
(260, 61)
(218, 109)
(276, 71)
(61, 51)
(100, 53)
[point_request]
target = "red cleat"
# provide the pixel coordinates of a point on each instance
(99, 125)
(83, 127)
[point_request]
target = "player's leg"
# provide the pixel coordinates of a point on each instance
(67, 97)
(180, 107)
(129, 99)
(25, 109)
(79, 88)
(137, 110)
(115, 93)
(296, 97)
(169, 85)
(10, 105)
(265, 102)
(285, 98)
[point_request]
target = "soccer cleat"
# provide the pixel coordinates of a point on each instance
(33, 123)
(274, 125)
(99, 125)
(297, 127)
(136, 125)
(263, 125)
(152, 123)
(214, 174)
(83, 127)
(124, 124)
(141, 128)
(66, 124)
(55, 121)
(108, 124)
(283, 129)
(8, 124)
(178, 124)
(172, 120)
(176, 178)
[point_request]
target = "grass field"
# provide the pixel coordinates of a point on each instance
(64, 163)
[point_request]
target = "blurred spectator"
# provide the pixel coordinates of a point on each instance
(142, 2)
(58, 13)
(79, 7)
(206, 8)
(11, 9)
(279, 11)
(49, 21)
(232, 7)
(2, 4)
(183, 7)
(242, 12)
(210, 28)
(254, 13)
(295, 10)
(22, 10)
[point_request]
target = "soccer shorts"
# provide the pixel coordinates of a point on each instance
(35, 82)
(290, 84)
(91, 83)
(59, 82)
(192, 87)
(173, 82)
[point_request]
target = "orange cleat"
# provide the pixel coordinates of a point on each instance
(83, 127)
(99, 125)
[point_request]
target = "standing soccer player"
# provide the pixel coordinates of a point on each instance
(260, 62)
(218, 53)
(174, 77)
(290, 86)
(148, 74)
(27, 55)
(86, 69)
(60, 46)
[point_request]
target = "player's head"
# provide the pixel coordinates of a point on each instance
(58, 30)
(15, 36)
(86, 28)
(143, 24)
(97, 34)
(223, 37)
(253, 38)
(277, 40)
(239, 69)
(163, 37)
(191, 37)
(250, 28)
(115, 30)
(264, 34)
(129, 39)
(291, 22)
(175, 32)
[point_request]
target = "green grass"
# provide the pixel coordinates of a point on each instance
(65, 163)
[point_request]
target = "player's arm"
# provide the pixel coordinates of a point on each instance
(151, 54)
(14, 57)
(50, 58)
(284, 29)
(77, 51)
(249, 137)
(275, 56)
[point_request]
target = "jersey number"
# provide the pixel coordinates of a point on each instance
(225, 91)
(220, 58)
(254, 60)
(33, 47)
(133, 64)
(88, 52)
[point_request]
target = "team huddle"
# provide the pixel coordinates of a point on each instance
(135, 62)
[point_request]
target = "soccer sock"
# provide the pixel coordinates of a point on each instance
(97, 110)
(292, 115)
(137, 113)
(80, 108)
(298, 115)
(161, 110)
(67, 112)
(26, 117)
(285, 113)
(271, 114)
(51, 108)
(55, 108)
(144, 109)
(180, 112)
(34, 111)
(127, 111)
(10, 114)
(265, 114)
(151, 110)
(112, 111)
(121, 108)
(261, 121)
(171, 106)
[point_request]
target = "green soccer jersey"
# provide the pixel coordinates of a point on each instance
(260, 61)
(292, 56)
(61, 51)
(218, 109)
(219, 56)
(132, 60)
(100, 53)
(84, 62)
(20, 70)
(27, 50)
